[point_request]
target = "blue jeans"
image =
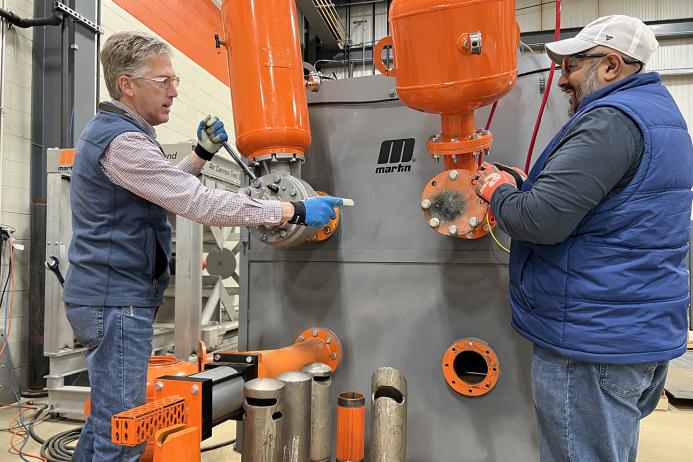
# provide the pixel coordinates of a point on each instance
(119, 343)
(591, 412)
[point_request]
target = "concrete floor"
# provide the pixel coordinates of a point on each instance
(664, 435)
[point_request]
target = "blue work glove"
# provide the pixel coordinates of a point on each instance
(210, 135)
(316, 211)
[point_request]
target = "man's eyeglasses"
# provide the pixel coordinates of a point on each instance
(568, 66)
(162, 82)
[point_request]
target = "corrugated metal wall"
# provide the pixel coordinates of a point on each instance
(674, 56)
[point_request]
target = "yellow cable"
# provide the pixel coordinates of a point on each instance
(490, 230)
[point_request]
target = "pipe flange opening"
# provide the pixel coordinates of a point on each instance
(451, 207)
(470, 367)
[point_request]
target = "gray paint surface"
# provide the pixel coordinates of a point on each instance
(395, 292)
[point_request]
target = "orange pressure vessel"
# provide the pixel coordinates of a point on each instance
(439, 64)
(266, 74)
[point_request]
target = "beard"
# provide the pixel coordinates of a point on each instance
(587, 87)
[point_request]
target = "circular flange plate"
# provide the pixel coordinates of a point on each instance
(487, 354)
(332, 342)
(452, 208)
(327, 231)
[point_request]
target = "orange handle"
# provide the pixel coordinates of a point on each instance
(378, 56)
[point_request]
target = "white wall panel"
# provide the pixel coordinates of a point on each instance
(528, 15)
(674, 9)
(681, 88)
(574, 13)
(643, 9)
(673, 54)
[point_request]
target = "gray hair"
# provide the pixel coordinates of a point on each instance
(126, 53)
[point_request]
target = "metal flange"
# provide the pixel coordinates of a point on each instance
(331, 341)
(456, 364)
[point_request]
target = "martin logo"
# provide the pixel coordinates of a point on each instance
(396, 156)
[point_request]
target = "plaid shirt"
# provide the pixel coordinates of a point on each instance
(135, 163)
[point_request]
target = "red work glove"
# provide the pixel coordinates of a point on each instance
(491, 176)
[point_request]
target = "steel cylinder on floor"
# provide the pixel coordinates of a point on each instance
(388, 441)
(263, 420)
(297, 393)
(351, 421)
(321, 411)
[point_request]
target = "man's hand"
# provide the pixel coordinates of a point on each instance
(210, 135)
(316, 211)
(491, 176)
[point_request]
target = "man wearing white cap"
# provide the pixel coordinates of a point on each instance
(600, 229)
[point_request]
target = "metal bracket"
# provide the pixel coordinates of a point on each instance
(59, 6)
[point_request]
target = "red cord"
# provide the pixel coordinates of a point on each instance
(488, 125)
(556, 36)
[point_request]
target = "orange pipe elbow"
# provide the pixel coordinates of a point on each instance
(312, 345)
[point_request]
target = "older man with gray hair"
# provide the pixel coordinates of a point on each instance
(122, 187)
(600, 229)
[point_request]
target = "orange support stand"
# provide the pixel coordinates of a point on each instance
(175, 411)
(178, 442)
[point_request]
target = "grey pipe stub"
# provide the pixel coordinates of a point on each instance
(294, 377)
(318, 370)
(264, 388)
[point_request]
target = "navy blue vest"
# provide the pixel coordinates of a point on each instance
(121, 243)
(616, 290)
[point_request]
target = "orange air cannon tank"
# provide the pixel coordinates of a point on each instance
(451, 57)
(266, 75)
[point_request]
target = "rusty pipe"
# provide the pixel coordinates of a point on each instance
(297, 391)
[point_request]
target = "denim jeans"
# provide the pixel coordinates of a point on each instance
(591, 412)
(119, 342)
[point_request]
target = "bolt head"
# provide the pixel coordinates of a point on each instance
(333, 356)
(314, 332)
(282, 233)
(249, 359)
(470, 344)
(194, 389)
(473, 221)
(301, 338)
(327, 230)
(452, 229)
(453, 174)
(328, 340)
(392, 93)
(426, 204)
(217, 357)
(469, 235)
(434, 222)
(159, 385)
(276, 178)
(263, 236)
(292, 192)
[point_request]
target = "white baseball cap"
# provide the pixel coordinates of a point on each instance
(626, 34)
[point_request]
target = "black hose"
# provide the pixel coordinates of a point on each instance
(58, 448)
(55, 20)
(218, 445)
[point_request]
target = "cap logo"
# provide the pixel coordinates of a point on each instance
(609, 37)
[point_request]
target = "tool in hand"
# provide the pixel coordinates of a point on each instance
(253, 179)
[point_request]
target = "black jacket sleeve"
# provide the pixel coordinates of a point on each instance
(596, 159)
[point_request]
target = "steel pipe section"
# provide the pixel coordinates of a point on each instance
(388, 441)
(321, 412)
(297, 393)
(263, 420)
